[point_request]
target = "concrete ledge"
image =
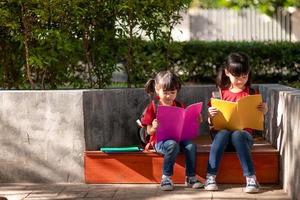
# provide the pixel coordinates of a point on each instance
(42, 136)
(283, 131)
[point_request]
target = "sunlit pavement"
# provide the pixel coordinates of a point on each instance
(20, 191)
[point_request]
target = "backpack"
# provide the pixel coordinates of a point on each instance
(218, 95)
(147, 141)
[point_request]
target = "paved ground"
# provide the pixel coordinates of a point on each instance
(130, 191)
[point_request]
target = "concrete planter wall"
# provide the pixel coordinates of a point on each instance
(43, 134)
(110, 115)
(283, 131)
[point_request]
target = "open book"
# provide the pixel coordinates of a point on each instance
(178, 123)
(238, 115)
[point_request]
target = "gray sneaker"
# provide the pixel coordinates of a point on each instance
(210, 183)
(193, 182)
(166, 184)
(252, 185)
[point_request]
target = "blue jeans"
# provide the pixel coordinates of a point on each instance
(170, 150)
(242, 142)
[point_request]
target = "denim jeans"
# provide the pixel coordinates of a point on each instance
(170, 150)
(242, 142)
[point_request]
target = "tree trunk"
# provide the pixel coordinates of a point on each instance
(26, 49)
(129, 61)
(4, 63)
(87, 56)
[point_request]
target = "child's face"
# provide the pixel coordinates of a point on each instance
(166, 97)
(237, 81)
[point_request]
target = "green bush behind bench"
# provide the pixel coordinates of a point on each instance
(198, 61)
(195, 61)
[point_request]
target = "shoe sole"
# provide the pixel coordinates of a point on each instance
(211, 188)
(168, 189)
(191, 186)
(252, 190)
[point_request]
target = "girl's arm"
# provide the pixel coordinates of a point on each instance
(151, 129)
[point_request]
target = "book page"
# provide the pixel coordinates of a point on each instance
(251, 117)
(227, 118)
(170, 119)
(191, 124)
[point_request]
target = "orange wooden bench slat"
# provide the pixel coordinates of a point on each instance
(147, 167)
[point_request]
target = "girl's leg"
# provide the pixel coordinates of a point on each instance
(190, 151)
(218, 146)
(243, 142)
(170, 150)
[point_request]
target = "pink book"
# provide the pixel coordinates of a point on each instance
(178, 123)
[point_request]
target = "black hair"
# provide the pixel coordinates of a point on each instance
(236, 64)
(166, 80)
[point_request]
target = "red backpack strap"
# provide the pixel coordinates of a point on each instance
(155, 105)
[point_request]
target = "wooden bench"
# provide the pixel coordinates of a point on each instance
(146, 167)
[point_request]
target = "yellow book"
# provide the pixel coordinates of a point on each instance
(238, 115)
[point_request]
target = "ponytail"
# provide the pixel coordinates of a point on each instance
(150, 87)
(222, 81)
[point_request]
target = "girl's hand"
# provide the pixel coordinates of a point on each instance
(200, 119)
(152, 128)
(155, 124)
(212, 111)
(262, 107)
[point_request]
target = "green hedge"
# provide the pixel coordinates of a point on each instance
(198, 61)
(194, 61)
